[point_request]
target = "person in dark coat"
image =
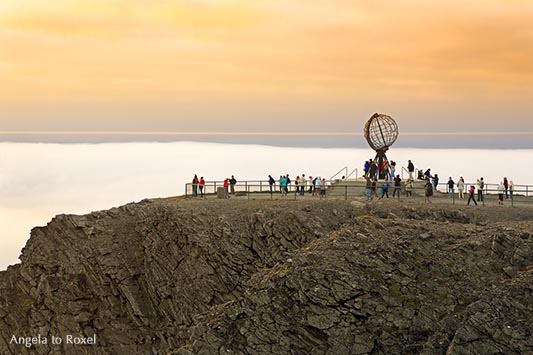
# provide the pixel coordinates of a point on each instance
(271, 182)
(397, 186)
(232, 183)
(374, 170)
(411, 169)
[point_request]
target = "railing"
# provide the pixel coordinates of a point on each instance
(345, 169)
(356, 171)
(404, 169)
(256, 187)
(492, 191)
(525, 189)
(261, 189)
(346, 174)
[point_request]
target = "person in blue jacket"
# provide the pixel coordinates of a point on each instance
(385, 188)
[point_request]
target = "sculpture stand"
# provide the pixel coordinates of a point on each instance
(380, 157)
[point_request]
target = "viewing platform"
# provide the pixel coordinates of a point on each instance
(354, 189)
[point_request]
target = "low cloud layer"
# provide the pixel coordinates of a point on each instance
(38, 181)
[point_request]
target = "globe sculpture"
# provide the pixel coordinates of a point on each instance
(381, 131)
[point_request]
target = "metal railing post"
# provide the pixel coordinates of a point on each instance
(261, 186)
(345, 192)
(185, 190)
(215, 187)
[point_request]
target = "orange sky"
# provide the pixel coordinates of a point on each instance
(256, 65)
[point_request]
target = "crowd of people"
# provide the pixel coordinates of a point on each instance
(315, 186)
(301, 185)
(386, 170)
(373, 172)
(198, 185)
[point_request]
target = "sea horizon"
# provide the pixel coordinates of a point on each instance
(433, 140)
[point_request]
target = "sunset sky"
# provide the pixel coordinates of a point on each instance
(265, 65)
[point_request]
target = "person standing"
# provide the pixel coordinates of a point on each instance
(461, 187)
(481, 186)
(384, 170)
(428, 191)
(195, 182)
(374, 170)
(375, 187)
(368, 189)
(323, 188)
(202, 185)
(232, 183)
(318, 182)
(392, 170)
(366, 167)
(511, 189)
(397, 186)
(436, 182)
(471, 193)
(288, 187)
(385, 188)
(311, 184)
(411, 169)
(304, 185)
(283, 184)
(501, 191)
(409, 188)
(451, 187)
(506, 187)
(427, 174)
(226, 186)
(297, 183)
(271, 183)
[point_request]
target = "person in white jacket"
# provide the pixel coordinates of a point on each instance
(461, 187)
(480, 187)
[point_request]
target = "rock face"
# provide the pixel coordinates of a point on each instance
(265, 277)
(137, 276)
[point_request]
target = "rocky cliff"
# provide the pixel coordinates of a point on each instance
(265, 277)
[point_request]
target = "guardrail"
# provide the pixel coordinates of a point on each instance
(245, 188)
(356, 171)
(343, 189)
(345, 169)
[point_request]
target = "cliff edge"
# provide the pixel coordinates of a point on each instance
(273, 277)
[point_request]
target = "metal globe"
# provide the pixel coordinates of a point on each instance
(381, 131)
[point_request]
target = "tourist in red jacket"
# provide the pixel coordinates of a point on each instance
(226, 184)
(202, 184)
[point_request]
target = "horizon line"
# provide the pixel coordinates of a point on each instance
(251, 133)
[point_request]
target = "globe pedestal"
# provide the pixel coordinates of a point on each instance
(380, 158)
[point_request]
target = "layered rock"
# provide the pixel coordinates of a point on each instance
(265, 277)
(138, 275)
(385, 287)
